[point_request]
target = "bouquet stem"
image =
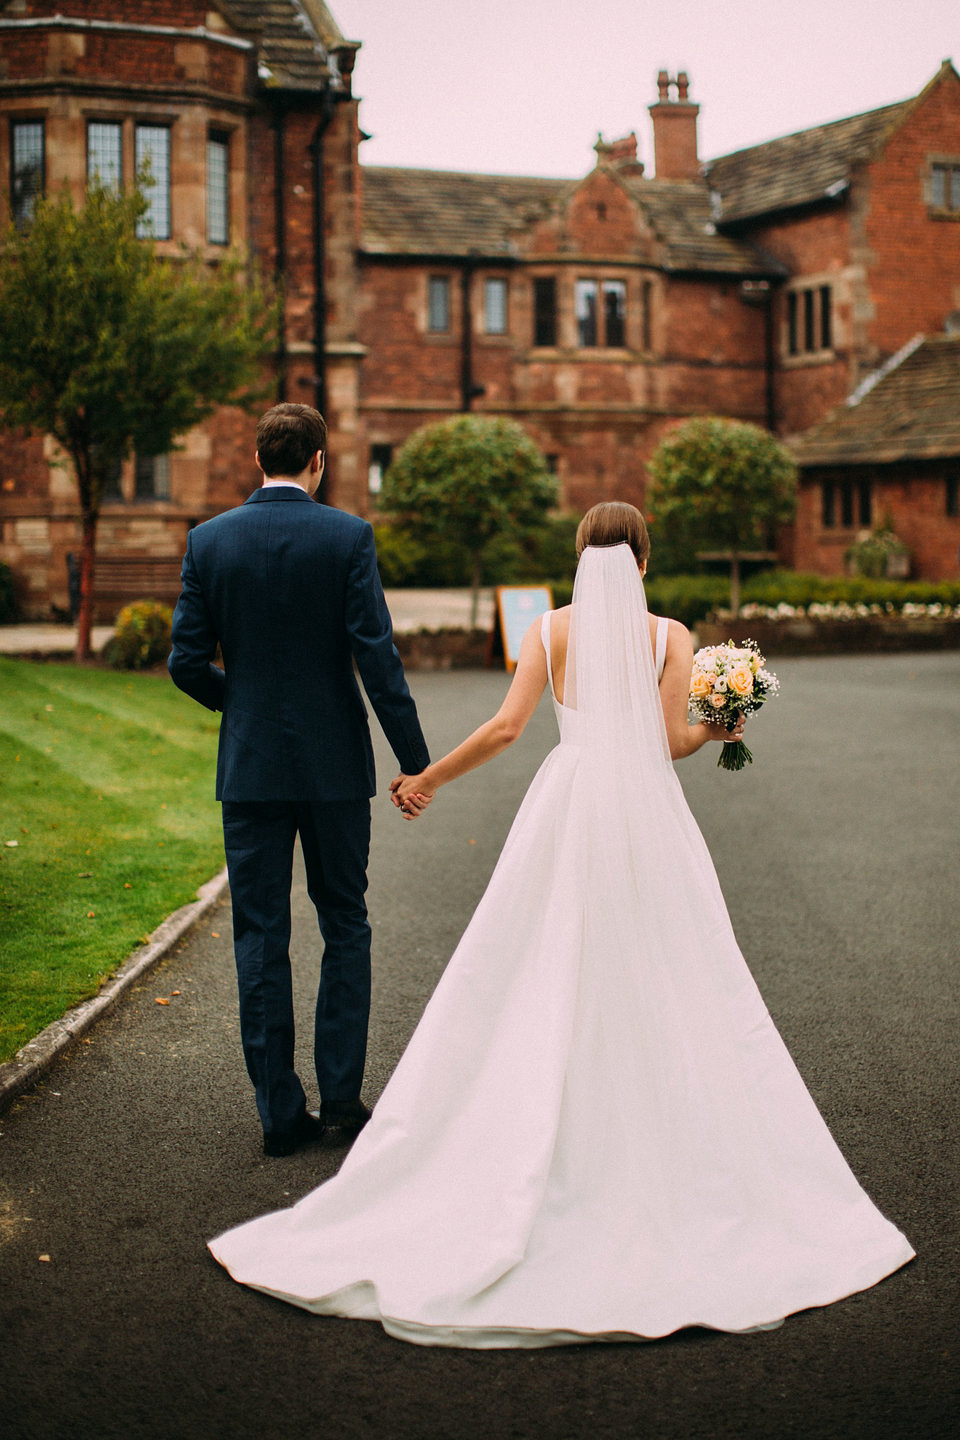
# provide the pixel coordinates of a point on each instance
(734, 755)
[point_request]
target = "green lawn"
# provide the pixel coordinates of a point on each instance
(107, 787)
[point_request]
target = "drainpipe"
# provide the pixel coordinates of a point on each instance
(319, 259)
(469, 391)
(280, 247)
(762, 293)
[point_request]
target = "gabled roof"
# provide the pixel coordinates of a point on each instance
(909, 411)
(438, 212)
(797, 169)
(296, 41)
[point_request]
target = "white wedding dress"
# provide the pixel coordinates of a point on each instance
(596, 1132)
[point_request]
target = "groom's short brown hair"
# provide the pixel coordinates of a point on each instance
(288, 437)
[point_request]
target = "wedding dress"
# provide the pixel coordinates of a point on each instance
(596, 1132)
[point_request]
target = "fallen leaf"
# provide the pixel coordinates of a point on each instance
(45, 1258)
(85, 875)
(161, 1001)
(12, 844)
(174, 992)
(215, 934)
(127, 885)
(48, 707)
(91, 914)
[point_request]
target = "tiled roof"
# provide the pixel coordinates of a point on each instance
(912, 412)
(797, 169)
(436, 212)
(444, 212)
(679, 214)
(295, 40)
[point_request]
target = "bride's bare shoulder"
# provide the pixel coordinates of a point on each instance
(678, 636)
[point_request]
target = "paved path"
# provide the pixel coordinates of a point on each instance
(409, 609)
(837, 852)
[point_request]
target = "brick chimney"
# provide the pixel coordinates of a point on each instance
(675, 130)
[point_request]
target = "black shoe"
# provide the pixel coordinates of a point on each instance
(307, 1129)
(343, 1120)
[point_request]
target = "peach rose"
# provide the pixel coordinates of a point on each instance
(699, 685)
(718, 701)
(740, 679)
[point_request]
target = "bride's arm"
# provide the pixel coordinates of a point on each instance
(497, 734)
(684, 738)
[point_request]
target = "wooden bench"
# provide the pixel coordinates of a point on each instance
(120, 579)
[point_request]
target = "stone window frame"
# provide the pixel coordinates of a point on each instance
(145, 225)
(491, 285)
(21, 206)
(603, 286)
(808, 320)
(378, 463)
(846, 503)
(542, 314)
(219, 140)
(141, 480)
(113, 122)
(439, 282)
(947, 208)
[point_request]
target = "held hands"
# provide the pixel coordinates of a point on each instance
(410, 795)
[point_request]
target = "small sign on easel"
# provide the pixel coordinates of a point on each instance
(517, 608)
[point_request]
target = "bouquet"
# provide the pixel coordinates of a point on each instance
(729, 681)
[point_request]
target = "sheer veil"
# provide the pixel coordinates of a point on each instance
(612, 681)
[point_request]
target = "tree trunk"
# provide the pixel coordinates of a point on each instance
(735, 584)
(475, 597)
(88, 550)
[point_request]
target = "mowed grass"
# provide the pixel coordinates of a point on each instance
(107, 787)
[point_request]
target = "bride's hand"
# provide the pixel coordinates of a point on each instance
(410, 795)
(719, 731)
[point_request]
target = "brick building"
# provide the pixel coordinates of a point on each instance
(892, 449)
(764, 285)
(245, 113)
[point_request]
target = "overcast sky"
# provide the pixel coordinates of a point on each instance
(522, 87)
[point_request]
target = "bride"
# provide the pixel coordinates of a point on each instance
(596, 1132)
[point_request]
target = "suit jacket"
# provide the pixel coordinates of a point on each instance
(289, 589)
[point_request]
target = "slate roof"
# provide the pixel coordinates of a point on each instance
(438, 212)
(295, 40)
(797, 169)
(909, 411)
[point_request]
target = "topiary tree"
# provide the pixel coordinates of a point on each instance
(109, 348)
(722, 484)
(469, 479)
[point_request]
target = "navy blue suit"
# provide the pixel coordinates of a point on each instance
(289, 590)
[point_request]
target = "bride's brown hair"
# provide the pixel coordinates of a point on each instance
(614, 522)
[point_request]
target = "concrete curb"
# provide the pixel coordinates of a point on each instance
(36, 1057)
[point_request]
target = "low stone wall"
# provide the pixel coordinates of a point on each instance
(446, 649)
(804, 636)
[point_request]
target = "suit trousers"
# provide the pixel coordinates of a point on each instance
(259, 839)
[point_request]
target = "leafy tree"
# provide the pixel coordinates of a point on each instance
(107, 347)
(721, 484)
(469, 479)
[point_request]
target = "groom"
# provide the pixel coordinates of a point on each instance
(289, 590)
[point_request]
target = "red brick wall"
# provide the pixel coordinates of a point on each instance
(915, 267)
(913, 498)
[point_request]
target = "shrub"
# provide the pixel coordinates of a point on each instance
(883, 553)
(8, 600)
(142, 636)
